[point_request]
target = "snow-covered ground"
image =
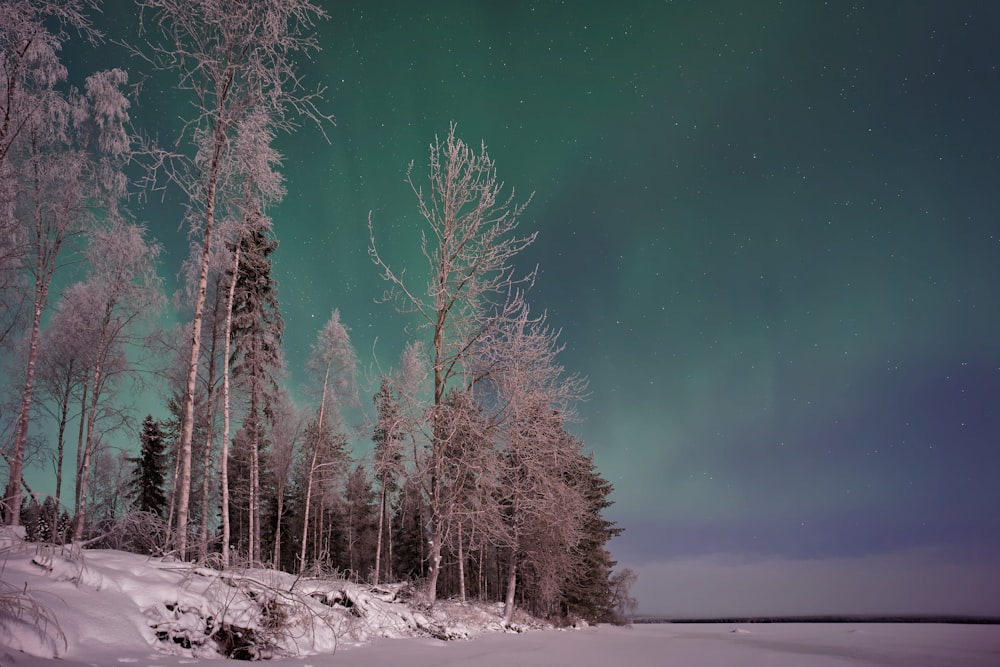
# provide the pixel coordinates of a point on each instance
(60, 606)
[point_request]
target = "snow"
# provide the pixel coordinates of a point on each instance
(63, 606)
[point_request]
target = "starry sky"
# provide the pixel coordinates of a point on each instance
(769, 232)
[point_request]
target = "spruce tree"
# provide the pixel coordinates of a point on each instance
(256, 356)
(587, 590)
(150, 469)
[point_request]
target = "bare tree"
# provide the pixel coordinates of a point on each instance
(532, 397)
(61, 378)
(334, 360)
(235, 58)
(286, 432)
(70, 154)
(123, 287)
(32, 33)
(622, 602)
(224, 456)
(469, 243)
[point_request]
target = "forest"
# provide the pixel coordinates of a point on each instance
(475, 487)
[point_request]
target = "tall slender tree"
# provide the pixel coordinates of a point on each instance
(257, 329)
(387, 464)
(469, 243)
(61, 380)
(123, 287)
(335, 362)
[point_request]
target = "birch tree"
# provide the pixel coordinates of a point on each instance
(532, 396)
(469, 241)
(32, 33)
(234, 58)
(62, 377)
(123, 287)
(69, 155)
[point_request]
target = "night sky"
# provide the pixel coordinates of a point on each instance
(769, 232)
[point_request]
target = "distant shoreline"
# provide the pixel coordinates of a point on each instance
(957, 619)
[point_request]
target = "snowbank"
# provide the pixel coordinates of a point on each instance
(62, 602)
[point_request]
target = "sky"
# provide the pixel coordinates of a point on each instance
(768, 232)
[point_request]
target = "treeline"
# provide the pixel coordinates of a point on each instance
(475, 487)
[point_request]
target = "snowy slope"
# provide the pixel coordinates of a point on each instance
(61, 602)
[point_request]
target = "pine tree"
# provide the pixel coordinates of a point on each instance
(150, 469)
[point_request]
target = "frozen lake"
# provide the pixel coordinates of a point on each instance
(695, 645)
(706, 645)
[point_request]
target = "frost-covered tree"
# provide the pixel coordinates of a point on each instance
(333, 364)
(286, 432)
(532, 396)
(66, 158)
(469, 241)
(387, 464)
(235, 59)
(122, 289)
(62, 378)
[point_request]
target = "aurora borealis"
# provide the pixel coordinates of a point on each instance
(769, 232)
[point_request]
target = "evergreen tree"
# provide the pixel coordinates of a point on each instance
(410, 537)
(360, 515)
(31, 519)
(256, 334)
(150, 469)
(587, 590)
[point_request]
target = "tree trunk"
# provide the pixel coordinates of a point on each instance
(508, 607)
(461, 567)
(207, 454)
(95, 391)
(378, 540)
(253, 516)
(60, 446)
(437, 537)
(312, 469)
(224, 456)
(388, 560)
(305, 522)
(277, 531)
(187, 413)
(13, 495)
